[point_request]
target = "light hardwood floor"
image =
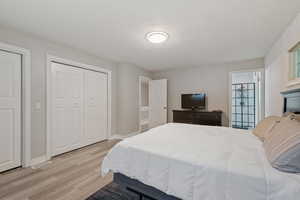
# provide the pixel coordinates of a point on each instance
(71, 176)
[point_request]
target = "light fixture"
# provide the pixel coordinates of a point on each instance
(157, 37)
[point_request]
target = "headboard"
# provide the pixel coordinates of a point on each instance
(291, 101)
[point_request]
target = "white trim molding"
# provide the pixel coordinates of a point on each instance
(122, 137)
(38, 160)
(26, 100)
(51, 58)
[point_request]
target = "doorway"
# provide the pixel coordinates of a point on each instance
(144, 116)
(152, 103)
(246, 98)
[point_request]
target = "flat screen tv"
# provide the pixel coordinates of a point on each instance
(193, 101)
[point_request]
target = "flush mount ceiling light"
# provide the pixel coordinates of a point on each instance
(157, 37)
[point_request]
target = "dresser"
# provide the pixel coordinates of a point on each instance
(213, 118)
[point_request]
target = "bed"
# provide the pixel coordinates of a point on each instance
(193, 162)
(201, 162)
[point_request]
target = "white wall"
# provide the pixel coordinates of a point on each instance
(277, 68)
(128, 97)
(39, 49)
(243, 77)
(213, 80)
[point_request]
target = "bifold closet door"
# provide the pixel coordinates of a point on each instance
(10, 110)
(95, 107)
(79, 113)
(67, 108)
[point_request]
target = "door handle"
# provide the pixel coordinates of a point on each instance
(165, 107)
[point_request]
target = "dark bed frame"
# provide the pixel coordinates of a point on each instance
(146, 192)
(140, 190)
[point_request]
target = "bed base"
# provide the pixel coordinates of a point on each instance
(140, 190)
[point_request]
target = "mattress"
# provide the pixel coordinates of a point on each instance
(194, 162)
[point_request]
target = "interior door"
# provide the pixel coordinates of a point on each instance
(10, 110)
(67, 108)
(157, 102)
(95, 107)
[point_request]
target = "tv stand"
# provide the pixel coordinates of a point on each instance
(202, 117)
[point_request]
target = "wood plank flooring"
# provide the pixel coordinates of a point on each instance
(70, 176)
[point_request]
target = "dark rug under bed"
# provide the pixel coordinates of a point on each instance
(113, 191)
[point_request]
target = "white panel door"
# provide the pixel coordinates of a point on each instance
(10, 110)
(67, 108)
(157, 102)
(95, 107)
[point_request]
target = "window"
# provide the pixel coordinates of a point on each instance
(295, 63)
(243, 105)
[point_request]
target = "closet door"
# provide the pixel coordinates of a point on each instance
(10, 110)
(95, 107)
(67, 108)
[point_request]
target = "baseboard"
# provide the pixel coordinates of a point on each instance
(122, 137)
(38, 160)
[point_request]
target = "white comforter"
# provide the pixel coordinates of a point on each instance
(195, 162)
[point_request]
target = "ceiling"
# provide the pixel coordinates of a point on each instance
(201, 31)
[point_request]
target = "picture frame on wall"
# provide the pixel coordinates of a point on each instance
(294, 65)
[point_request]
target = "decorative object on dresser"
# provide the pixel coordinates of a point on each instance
(213, 118)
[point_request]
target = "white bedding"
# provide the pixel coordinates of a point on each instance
(195, 162)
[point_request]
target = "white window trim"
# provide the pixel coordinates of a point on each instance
(51, 58)
(26, 101)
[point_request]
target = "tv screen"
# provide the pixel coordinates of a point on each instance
(193, 101)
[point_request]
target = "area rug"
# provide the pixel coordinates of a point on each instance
(112, 191)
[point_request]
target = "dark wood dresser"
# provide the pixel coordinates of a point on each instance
(213, 118)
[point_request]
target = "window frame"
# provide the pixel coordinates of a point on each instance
(294, 61)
